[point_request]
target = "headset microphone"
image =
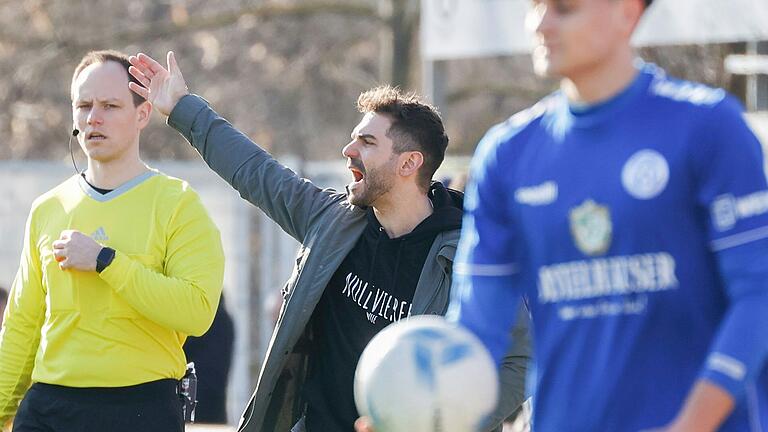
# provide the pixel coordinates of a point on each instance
(75, 132)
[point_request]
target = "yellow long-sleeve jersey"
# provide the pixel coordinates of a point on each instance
(127, 324)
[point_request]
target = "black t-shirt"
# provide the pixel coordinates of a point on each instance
(372, 288)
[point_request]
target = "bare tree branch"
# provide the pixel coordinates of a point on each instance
(155, 30)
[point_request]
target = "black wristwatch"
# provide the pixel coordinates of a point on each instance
(106, 255)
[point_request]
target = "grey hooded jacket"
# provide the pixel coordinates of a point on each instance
(327, 226)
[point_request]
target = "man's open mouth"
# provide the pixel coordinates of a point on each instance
(357, 174)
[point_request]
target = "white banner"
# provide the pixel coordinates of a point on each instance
(453, 29)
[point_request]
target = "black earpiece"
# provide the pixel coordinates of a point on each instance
(75, 132)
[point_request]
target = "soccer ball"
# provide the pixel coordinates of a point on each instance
(426, 374)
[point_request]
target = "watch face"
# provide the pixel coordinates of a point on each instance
(105, 257)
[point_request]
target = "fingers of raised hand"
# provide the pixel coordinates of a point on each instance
(139, 90)
(137, 66)
(151, 64)
(140, 76)
(173, 66)
(144, 71)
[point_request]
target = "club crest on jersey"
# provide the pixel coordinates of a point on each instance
(591, 227)
(645, 175)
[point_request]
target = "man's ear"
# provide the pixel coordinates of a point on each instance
(410, 162)
(144, 112)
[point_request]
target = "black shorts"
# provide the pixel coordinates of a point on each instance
(149, 407)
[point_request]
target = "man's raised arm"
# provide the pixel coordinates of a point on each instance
(285, 197)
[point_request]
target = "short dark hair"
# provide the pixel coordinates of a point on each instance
(104, 56)
(416, 126)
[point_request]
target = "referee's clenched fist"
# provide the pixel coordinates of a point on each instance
(75, 250)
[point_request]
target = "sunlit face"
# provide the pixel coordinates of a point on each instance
(575, 36)
(103, 111)
(371, 159)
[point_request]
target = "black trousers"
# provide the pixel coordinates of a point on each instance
(149, 407)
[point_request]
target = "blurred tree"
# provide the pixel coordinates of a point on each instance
(398, 36)
(286, 72)
(272, 67)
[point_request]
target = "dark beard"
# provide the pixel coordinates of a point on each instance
(376, 184)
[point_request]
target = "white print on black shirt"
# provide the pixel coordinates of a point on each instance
(376, 302)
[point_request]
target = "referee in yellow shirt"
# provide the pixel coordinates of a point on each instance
(120, 264)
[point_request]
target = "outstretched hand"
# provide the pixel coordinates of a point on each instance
(162, 87)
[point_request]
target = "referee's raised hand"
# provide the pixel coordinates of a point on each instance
(162, 87)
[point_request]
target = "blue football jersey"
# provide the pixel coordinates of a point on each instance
(621, 223)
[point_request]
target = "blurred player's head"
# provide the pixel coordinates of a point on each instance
(399, 143)
(574, 38)
(3, 301)
(107, 113)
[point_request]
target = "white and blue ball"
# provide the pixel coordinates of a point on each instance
(426, 374)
